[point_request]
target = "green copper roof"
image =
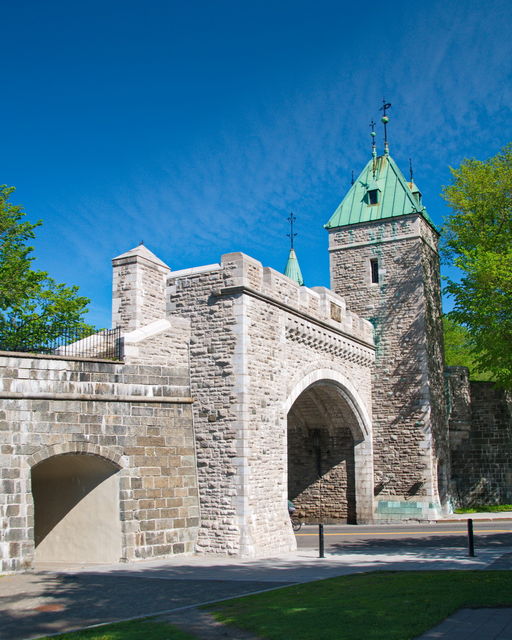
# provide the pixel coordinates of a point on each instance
(394, 196)
(292, 269)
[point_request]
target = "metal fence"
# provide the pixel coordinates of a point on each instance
(104, 344)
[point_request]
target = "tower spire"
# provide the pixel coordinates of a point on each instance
(292, 269)
(385, 120)
(374, 148)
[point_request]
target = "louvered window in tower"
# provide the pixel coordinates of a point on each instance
(373, 196)
(372, 192)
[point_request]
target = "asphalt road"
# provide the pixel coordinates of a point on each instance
(440, 536)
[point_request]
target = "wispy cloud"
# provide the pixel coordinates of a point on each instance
(446, 67)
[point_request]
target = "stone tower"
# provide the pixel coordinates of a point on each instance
(138, 288)
(384, 261)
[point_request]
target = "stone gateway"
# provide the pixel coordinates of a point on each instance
(235, 389)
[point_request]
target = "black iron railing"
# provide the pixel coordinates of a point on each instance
(104, 344)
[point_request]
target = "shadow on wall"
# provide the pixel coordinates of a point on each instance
(404, 356)
(321, 468)
(76, 509)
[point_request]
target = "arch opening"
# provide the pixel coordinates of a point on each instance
(323, 431)
(76, 509)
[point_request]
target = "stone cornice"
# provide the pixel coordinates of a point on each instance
(337, 346)
(93, 397)
(244, 290)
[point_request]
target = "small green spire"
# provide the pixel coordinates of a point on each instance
(292, 269)
(374, 148)
(385, 120)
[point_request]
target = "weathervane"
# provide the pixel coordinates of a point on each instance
(291, 235)
(385, 120)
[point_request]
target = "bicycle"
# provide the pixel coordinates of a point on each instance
(296, 523)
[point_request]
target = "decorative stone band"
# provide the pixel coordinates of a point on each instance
(100, 397)
(335, 345)
(244, 290)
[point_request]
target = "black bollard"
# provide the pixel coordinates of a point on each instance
(471, 542)
(321, 540)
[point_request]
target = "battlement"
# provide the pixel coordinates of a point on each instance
(239, 273)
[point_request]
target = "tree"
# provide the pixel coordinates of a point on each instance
(35, 311)
(478, 239)
(458, 348)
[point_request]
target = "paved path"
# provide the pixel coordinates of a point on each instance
(55, 599)
(473, 624)
(37, 604)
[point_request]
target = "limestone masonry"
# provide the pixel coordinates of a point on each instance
(237, 388)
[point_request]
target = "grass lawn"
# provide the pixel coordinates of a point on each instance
(134, 630)
(488, 508)
(373, 606)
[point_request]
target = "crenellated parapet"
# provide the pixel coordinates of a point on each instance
(258, 341)
(317, 305)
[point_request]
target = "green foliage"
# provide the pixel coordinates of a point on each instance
(395, 606)
(486, 508)
(478, 239)
(34, 309)
(133, 630)
(458, 349)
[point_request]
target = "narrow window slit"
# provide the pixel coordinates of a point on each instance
(374, 266)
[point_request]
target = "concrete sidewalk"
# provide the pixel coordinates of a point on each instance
(483, 517)
(473, 624)
(69, 597)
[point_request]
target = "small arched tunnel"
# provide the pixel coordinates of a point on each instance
(322, 432)
(76, 509)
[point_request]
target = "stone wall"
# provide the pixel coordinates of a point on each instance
(480, 441)
(321, 469)
(138, 289)
(404, 307)
(136, 415)
(258, 341)
(259, 355)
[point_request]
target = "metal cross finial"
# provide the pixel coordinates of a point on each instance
(291, 235)
(373, 134)
(385, 120)
(385, 106)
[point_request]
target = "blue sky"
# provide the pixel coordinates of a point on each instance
(198, 126)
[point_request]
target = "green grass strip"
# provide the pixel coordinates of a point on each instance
(488, 508)
(373, 606)
(145, 629)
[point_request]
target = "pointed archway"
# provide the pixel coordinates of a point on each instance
(329, 452)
